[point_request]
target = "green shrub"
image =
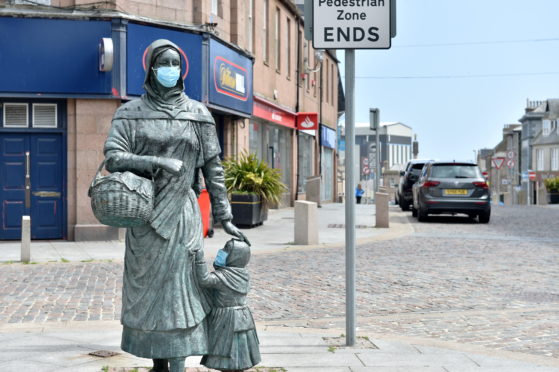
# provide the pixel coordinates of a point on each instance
(552, 184)
(247, 174)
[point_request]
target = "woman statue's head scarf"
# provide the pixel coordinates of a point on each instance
(157, 97)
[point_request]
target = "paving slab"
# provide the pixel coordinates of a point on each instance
(399, 369)
(311, 360)
(383, 359)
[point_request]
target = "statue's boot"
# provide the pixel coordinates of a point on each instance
(177, 364)
(160, 365)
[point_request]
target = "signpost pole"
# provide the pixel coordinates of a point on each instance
(350, 192)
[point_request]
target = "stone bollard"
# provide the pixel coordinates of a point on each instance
(26, 239)
(312, 189)
(381, 206)
(306, 223)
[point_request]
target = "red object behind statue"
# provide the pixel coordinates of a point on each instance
(205, 211)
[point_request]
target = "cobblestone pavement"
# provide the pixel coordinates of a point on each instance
(492, 285)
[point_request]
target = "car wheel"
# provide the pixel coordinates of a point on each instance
(484, 216)
(421, 214)
(404, 206)
(413, 211)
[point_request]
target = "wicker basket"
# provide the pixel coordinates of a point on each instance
(121, 199)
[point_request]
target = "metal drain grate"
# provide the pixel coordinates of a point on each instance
(342, 226)
(103, 353)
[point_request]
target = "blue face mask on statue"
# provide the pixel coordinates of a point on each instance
(221, 258)
(168, 76)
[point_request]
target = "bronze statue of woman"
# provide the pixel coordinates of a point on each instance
(166, 136)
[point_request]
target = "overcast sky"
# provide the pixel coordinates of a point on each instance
(459, 70)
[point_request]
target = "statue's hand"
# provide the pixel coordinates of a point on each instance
(232, 230)
(199, 255)
(170, 165)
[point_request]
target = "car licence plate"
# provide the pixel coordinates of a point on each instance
(456, 192)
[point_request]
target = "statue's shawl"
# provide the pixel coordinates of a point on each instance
(168, 205)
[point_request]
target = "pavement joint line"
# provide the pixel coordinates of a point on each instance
(359, 358)
(447, 314)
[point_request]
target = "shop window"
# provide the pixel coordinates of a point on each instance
(44, 115)
(305, 159)
(16, 115)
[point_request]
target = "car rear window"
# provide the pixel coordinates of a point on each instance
(455, 171)
(416, 168)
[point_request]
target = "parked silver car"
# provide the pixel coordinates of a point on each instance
(451, 187)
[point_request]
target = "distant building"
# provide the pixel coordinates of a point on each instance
(501, 166)
(531, 126)
(545, 151)
(396, 149)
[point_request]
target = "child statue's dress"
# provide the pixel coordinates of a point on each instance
(232, 339)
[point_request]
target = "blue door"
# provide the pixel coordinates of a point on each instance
(35, 160)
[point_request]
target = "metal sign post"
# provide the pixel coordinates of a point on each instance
(350, 192)
(350, 25)
(374, 122)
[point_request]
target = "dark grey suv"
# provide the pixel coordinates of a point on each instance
(451, 187)
(408, 177)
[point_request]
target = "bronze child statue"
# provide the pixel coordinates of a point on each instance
(232, 339)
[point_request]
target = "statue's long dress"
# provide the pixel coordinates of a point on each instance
(163, 308)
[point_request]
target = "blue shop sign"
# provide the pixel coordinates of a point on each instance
(139, 37)
(230, 78)
(52, 56)
(327, 137)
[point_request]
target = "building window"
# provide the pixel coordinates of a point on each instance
(217, 8)
(277, 39)
(332, 83)
(308, 47)
(265, 35)
(546, 128)
(325, 84)
(288, 47)
(250, 26)
(16, 115)
(555, 159)
(540, 166)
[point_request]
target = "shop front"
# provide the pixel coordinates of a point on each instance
(307, 129)
(229, 93)
(271, 138)
(67, 76)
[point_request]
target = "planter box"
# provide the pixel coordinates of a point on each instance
(248, 210)
(553, 197)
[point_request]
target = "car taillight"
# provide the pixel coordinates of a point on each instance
(483, 185)
(431, 184)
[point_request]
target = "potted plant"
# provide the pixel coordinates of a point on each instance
(552, 187)
(253, 186)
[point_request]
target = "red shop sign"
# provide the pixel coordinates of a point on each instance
(273, 113)
(307, 120)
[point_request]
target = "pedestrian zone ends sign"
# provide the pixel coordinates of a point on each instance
(351, 24)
